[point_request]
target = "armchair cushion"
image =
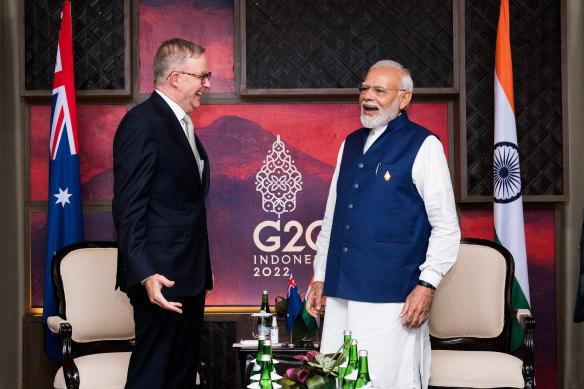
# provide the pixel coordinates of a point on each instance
(477, 311)
(475, 369)
(95, 309)
(103, 371)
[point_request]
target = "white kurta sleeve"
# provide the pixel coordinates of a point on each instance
(432, 179)
(323, 239)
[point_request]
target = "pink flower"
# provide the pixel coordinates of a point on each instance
(309, 357)
(298, 375)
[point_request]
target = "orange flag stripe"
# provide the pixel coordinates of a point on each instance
(503, 64)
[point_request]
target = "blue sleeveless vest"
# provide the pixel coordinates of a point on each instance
(380, 228)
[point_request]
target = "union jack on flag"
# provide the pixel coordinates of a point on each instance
(65, 218)
(294, 303)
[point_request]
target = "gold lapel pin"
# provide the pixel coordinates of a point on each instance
(387, 176)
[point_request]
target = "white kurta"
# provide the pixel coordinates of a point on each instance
(398, 357)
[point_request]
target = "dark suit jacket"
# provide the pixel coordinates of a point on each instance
(159, 203)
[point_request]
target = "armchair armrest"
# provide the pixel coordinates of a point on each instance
(527, 322)
(521, 315)
(54, 322)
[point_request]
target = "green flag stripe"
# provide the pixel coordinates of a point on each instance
(518, 301)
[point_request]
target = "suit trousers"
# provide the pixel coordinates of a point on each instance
(399, 357)
(167, 344)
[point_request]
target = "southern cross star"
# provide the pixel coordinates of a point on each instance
(63, 197)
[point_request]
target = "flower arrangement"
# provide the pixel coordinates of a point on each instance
(318, 371)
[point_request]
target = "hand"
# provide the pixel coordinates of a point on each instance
(417, 307)
(154, 286)
(209, 291)
(314, 299)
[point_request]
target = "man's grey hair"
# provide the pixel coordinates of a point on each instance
(172, 55)
(406, 82)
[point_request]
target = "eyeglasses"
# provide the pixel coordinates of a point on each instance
(377, 90)
(203, 77)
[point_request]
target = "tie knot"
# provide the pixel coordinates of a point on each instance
(187, 120)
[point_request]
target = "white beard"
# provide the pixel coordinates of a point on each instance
(384, 115)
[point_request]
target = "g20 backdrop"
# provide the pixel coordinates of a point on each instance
(271, 167)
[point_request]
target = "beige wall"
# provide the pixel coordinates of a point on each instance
(571, 335)
(11, 201)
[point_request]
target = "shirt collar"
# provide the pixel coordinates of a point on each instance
(178, 111)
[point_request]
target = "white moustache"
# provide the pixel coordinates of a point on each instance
(370, 105)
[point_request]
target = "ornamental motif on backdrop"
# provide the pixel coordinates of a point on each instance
(278, 180)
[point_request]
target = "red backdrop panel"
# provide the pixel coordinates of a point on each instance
(96, 128)
(252, 248)
(238, 138)
(207, 23)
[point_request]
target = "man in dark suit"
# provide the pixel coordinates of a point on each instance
(161, 179)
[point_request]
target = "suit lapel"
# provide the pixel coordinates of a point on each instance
(176, 131)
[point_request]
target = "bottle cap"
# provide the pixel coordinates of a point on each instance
(266, 357)
(267, 342)
(362, 353)
(261, 337)
(347, 332)
(353, 342)
(265, 292)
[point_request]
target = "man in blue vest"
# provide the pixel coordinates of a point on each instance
(389, 234)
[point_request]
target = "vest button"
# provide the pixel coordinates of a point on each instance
(360, 165)
(347, 227)
(355, 186)
(345, 249)
(350, 206)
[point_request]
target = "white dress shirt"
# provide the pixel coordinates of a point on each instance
(180, 114)
(431, 177)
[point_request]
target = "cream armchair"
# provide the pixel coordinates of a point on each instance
(470, 323)
(95, 321)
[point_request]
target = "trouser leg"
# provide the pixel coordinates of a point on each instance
(167, 344)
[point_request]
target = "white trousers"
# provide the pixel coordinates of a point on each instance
(399, 358)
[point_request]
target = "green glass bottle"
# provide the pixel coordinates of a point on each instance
(343, 366)
(261, 340)
(258, 361)
(268, 351)
(265, 374)
(352, 366)
(363, 376)
(265, 321)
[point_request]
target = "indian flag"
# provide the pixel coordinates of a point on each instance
(311, 323)
(508, 203)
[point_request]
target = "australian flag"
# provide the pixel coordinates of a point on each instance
(65, 218)
(294, 303)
